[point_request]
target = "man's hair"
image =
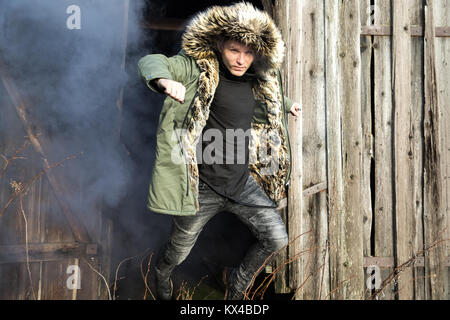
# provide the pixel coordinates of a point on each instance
(220, 42)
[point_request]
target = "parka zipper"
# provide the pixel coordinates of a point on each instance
(179, 140)
(288, 176)
(184, 157)
(189, 109)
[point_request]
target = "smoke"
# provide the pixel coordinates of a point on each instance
(72, 79)
(70, 69)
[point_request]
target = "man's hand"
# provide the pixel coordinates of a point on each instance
(173, 89)
(295, 109)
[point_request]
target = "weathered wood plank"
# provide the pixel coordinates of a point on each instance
(366, 114)
(350, 74)
(402, 144)
(289, 16)
(383, 206)
(54, 280)
(278, 11)
(436, 283)
(313, 218)
(346, 247)
(334, 136)
(417, 98)
(442, 50)
(45, 251)
(106, 243)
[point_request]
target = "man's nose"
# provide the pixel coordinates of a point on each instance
(240, 58)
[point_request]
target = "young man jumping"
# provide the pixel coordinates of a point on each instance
(224, 84)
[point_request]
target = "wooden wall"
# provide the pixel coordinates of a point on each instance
(43, 239)
(374, 91)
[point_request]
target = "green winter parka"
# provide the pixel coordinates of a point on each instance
(174, 183)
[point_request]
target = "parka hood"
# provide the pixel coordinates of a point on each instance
(241, 22)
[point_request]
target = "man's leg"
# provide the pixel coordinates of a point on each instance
(270, 231)
(185, 231)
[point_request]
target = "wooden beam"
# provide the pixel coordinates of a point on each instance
(415, 31)
(320, 187)
(38, 252)
(175, 24)
(168, 24)
(388, 262)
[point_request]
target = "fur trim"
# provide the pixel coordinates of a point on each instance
(241, 22)
(244, 23)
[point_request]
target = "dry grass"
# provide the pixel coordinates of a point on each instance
(254, 292)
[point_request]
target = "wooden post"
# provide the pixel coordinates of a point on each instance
(434, 218)
(403, 166)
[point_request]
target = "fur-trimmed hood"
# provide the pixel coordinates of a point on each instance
(241, 22)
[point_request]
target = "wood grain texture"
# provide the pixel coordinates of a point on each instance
(436, 284)
(403, 165)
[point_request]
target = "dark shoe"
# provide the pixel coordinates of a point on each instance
(214, 271)
(164, 286)
(224, 280)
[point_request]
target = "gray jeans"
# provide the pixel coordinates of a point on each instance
(264, 222)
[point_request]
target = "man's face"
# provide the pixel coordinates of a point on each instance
(237, 57)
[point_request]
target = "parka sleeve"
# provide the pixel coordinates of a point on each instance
(288, 104)
(287, 101)
(154, 66)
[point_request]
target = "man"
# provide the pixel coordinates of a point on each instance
(225, 79)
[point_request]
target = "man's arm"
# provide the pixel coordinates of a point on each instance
(292, 107)
(173, 89)
(155, 67)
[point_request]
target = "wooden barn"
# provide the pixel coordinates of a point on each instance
(368, 205)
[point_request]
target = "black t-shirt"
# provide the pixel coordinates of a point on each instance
(222, 153)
